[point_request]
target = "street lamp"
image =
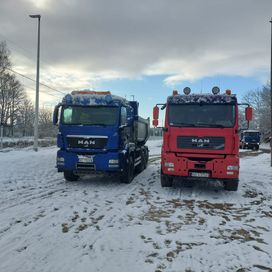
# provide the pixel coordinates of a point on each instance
(36, 123)
(271, 98)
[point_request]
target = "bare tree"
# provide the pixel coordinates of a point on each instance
(46, 127)
(260, 101)
(265, 120)
(12, 93)
(25, 118)
(4, 58)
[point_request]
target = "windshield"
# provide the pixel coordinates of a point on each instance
(251, 134)
(201, 115)
(77, 115)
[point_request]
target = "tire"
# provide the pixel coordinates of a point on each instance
(70, 176)
(128, 173)
(166, 180)
(140, 167)
(255, 147)
(146, 155)
(187, 183)
(231, 184)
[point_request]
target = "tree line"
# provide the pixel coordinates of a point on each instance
(260, 101)
(16, 109)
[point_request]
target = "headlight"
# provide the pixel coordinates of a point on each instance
(233, 167)
(169, 164)
(112, 161)
(60, 160)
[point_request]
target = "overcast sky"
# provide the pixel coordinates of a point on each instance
(143, 47)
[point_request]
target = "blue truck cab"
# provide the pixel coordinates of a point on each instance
(100, 132)
(250, 139)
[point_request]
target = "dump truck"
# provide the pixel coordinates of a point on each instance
(100, 133)
(201, 137)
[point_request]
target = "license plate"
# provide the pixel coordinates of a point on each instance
(86, 159)
(199, 174)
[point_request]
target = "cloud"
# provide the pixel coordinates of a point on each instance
(84, 42)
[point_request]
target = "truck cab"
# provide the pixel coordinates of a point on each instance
(99, 132)
(250, 139)
(201, 139)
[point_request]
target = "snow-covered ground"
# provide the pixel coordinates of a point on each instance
(98, 224)
(14, 142)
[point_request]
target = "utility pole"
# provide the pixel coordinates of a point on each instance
(1, 136)
(36, 122)
(271, 97)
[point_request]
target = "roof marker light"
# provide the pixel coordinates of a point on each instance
(186, 90)
(228, 92)
(108, 98)
(175, 92)
(215, 90)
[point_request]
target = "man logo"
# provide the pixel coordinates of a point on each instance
(205, 141)
(86, 142)
(200, 142)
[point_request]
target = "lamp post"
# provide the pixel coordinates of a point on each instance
(271, 98)
(36, 122)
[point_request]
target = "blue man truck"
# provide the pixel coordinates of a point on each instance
(100, 132)
(250, 139)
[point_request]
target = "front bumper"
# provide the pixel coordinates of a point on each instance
(251, 145)
(88, 163)
(212, 168)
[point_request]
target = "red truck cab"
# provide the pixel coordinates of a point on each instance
(201, 139)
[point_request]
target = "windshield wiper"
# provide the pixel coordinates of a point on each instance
(197, 125)
(98, 124)
(182, 125)
(209, 125)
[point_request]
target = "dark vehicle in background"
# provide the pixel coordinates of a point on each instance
(250, 139)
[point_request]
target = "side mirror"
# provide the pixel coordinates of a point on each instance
(249, 113)
(129, 119)
(56, 115)
(155, 116)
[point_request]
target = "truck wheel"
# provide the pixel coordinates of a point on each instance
(70, 176)
(166, 180)
(146, 158)
(255, 147)
(187, 183)
(140, 167)
(231, 184)
(128, 172)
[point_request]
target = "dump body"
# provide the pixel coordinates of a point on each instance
(200, 138)
(250, 139)
(98, 132)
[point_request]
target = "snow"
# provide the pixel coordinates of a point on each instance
(98, 224)
(19, 142)
(93, 99)
(202, 98)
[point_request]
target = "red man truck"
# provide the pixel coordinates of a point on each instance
(201, 139)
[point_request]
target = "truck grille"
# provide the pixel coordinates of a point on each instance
(195, 142)
(87, 142)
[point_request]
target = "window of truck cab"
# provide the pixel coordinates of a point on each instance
(123, 119)
(89, 115)
(202, 115)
